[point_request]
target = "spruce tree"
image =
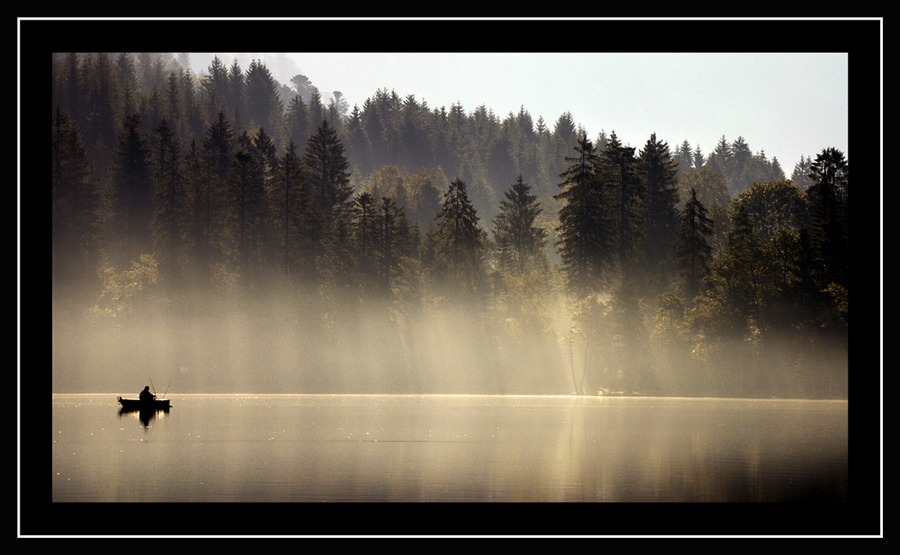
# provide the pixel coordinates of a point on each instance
(519, 241)
(133, 193)
(328, 170)
(170, 196)
(459, 243)
(693, 253)
(75, 204)
(659, 172)
(586, 242)
(328, 177)
(619, 173)
(829, 210)
(210, 214)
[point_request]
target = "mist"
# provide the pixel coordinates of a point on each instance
(243, 243)
(293, 341)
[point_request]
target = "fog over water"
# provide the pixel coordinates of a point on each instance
(296, 342)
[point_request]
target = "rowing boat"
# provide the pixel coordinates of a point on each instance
(134, 403)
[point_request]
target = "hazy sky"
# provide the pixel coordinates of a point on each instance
(788, 105)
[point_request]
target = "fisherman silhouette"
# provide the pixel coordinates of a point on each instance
(145, 395)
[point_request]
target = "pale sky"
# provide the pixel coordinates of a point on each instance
(787, 104)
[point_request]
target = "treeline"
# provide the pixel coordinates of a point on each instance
(396, 247)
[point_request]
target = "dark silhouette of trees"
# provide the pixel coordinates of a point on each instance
(586, 228)
(264, 107)
(693, 254)
(658, 173)
(459, 244)
(171, 215)
(519, 240)
(829, 204)
(133, 193)
(328, 171)
(178, 190)
(75, 205)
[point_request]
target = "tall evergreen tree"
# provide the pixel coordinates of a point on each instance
(520, 241)
(619, 172)
(246, 198)
(297, 123)
(210, 214)
(684, 157)
(365, 239)
(328, 177)
(264, 107)
(394, 241)
(328, 170)
(215, 89)
(359, 154)
(170, 200)
(459, 243)
(133, 193)
(236, 96)
(830, 209)
(75, 204)
(586, 234)
(659, 171)
(100, 132)
(693, 254)
(298, 218)
(800, 175)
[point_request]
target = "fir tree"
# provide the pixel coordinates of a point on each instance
(659, 172)
(459, 243)
(519, 241)
(693, 254)
(586, 241)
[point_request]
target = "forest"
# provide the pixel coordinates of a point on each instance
(238, 234)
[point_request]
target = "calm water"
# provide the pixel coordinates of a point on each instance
(290, 448)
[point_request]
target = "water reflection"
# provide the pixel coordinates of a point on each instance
(300, 448)
(146, 416)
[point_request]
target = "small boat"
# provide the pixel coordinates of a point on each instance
(135, 403)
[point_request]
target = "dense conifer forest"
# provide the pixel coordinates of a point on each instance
(241, 234)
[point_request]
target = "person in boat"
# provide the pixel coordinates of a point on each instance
(145, 395)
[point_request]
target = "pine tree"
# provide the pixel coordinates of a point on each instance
(394, 241)
(684, 157)
(659, 171)
(829, 210)
(519, 241)
(358, 150)
(298, 218)
(800, 175)
(586, 240)
(215, 89)
(75, 204)
(210, 214)
(171, 213)
(133, 193)
(297, 123)
(693, 254)
(236, 96)
(619, 172)
(328, 177)
(459, 243)
(327, 169)
(264, 107)
(246, 198)
(365, 238)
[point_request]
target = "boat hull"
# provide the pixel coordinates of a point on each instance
(130, 403)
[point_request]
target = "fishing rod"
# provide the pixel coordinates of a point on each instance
(151, 384)
(167, 387)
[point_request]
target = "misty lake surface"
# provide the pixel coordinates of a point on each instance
(449, 448)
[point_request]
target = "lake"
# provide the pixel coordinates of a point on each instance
(449, 448)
